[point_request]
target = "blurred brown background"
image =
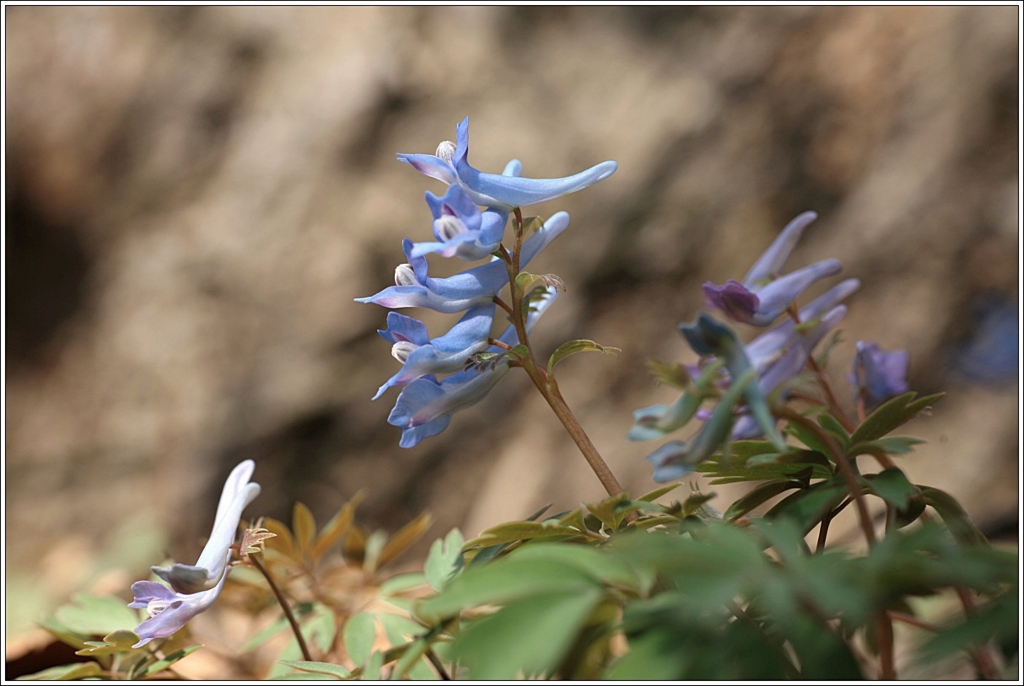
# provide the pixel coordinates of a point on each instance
(194, 196)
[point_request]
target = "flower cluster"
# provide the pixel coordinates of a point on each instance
(468, 223)
(194, 588)
(731, 372)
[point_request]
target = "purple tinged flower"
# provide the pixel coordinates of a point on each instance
(879, 375)
(450, 164)
(764, 295)
(477, 286)
(425, 407)
(460, 228)
(194, 588)
(446, 354)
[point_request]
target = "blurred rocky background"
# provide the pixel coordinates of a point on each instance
(194, 197)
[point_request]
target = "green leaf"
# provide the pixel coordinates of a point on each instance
(64, 635)
(998, 619)
(954, 516)
(578, 346)
(695, 503)
(769, 467)
(892, 486)
(120, 641)
(78, 670)
(808, 438)
(411, 658)
(371, 670)
(442, 561)
(401, 583)
(890, 445)
(326, 668)
(891, 415)
(519, 531)
(503, 581)
(807, 507)
(832, 425)
(757, 496)
(528, 637)
(168, 661)
(658, 492)
(359, 635)
(593, 562)
(94, 615)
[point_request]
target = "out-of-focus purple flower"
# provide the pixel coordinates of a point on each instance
(477, 286)
(879, 375)
(450, 164)
(992, 354)
(425, 407)
(776, 355)
(446, 354)
(460, 228)
(764, 295)
(194, 588)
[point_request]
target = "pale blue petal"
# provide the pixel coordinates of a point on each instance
(769, 264)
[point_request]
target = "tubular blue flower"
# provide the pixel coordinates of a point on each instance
(446, 354)
(450, 164)
(763, 295)
(879, 375)
(425, 407)
(194, 588)
(477, 286)
(461, 229)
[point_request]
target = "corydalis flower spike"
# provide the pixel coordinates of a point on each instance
(458, 293)
(500, 192)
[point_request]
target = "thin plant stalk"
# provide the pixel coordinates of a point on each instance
(545, 383)
(284, 606)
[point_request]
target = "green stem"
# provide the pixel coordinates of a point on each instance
(545, 383)
(284, 606)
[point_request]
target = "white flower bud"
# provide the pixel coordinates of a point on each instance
(446, 151)
(402, 349)
(405, 275)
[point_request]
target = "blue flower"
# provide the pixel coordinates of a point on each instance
(477, 286)
(764, 295)
(194, 588)
(446, 354)
(879, 375)
(461, 229)
(425, 407)
(505, 192)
